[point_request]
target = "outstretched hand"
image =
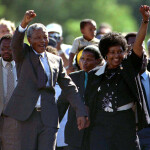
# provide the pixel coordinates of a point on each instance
(28, 17)
(145, 11)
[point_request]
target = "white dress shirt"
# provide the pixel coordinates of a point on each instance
(61, 130)
(44, 63)
(45, 66)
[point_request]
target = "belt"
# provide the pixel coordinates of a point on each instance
(38, 109)
(125, 107)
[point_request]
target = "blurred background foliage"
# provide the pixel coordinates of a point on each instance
(122, 15)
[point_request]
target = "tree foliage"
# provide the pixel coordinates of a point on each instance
(69, 13)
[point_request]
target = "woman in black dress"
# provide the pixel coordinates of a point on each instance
(112, 91)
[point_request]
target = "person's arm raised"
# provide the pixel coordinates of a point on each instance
(137, 47)
(28, 17)
(17, 43)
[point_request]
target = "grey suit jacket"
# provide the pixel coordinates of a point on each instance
(25, 95)
(1, 88)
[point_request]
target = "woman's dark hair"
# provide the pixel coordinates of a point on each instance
(93, 49)
(112, 39)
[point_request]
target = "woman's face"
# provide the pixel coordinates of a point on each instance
(89, 61)
(115, 56)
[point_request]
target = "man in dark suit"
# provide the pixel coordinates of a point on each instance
(90, 59)
(33, 100)
(144, 134)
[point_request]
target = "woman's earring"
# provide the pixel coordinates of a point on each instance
(105, 57)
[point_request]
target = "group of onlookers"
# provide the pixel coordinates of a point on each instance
(98, 88)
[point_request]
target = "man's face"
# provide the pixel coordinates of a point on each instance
(39, 40)
(4, 30)
(131, 41)
(6, 51)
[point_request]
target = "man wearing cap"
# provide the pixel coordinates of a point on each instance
(55, 31)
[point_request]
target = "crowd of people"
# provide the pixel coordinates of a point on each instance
(91, 95)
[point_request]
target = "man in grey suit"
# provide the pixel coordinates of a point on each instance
(33, 100)
(8, 81)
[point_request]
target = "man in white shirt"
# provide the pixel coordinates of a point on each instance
(8, 81)
(34, 96)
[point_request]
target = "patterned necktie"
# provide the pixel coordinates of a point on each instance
(10, 82)
(42, 77)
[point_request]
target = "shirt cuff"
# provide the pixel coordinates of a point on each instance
(20, 29)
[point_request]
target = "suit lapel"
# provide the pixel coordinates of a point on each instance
(51, 67)
(145, 94)
(149, 78)
(96, 82)
(1, 87)
(93, 85)
(97, 77)
(51, 62)
(82, 82)
(81, 79)
(33, 61)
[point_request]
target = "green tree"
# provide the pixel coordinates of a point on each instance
(2, 10)
(69, 13)
(119, 16)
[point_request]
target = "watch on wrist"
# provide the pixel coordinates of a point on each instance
(145, 21)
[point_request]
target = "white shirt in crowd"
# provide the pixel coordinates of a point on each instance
(61, 130)
(81, 42)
